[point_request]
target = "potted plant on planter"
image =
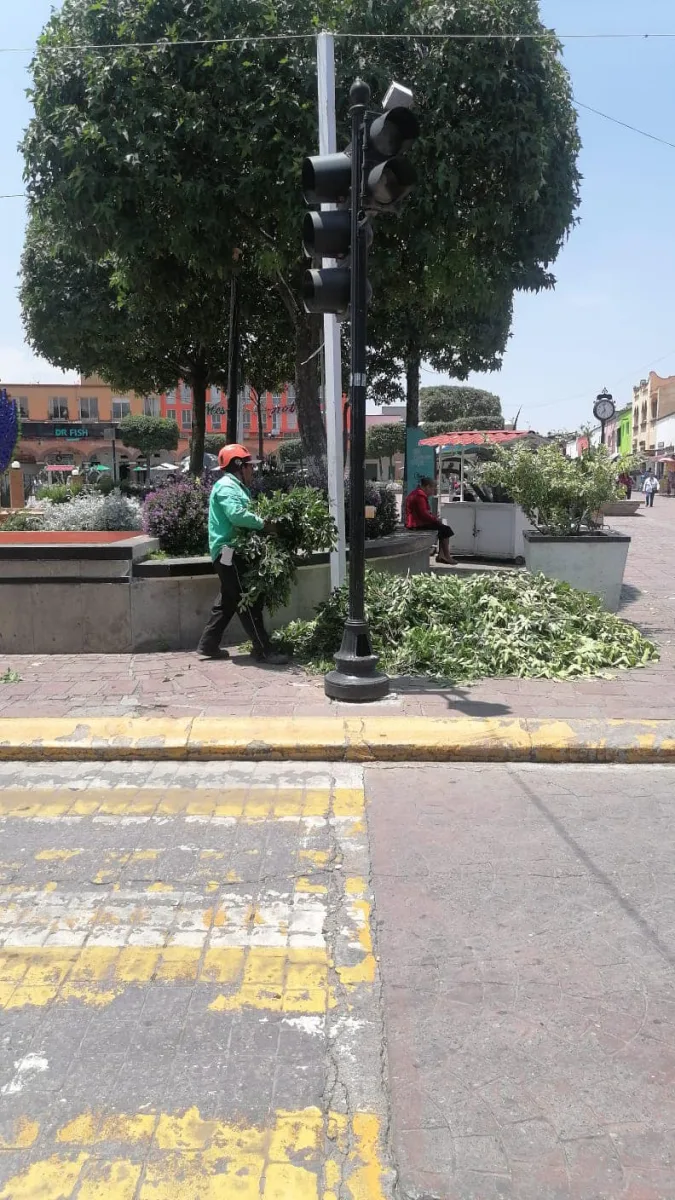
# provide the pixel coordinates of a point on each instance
(563, 498)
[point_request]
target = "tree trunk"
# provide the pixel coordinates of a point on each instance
(412, 393)
(413, 363)
(198, 425)
(307, 398)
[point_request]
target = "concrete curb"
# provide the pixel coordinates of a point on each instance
(367, 739)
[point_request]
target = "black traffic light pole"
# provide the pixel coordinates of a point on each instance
(357, 677)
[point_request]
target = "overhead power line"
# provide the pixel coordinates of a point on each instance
(252, 39)
(615, 121)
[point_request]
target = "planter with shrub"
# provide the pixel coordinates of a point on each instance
(562, 498)
(89, 511)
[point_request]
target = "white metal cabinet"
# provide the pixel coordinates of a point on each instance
(486, 530)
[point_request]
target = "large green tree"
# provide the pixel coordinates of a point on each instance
(183, 153)
(104, 317)
(149, 435)
(384, 441)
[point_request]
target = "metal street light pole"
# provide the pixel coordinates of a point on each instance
(357, 677)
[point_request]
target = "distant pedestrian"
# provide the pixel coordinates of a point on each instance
(650, 488)
(626, 482)
(418, 515)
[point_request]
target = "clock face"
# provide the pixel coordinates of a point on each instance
(604, 410)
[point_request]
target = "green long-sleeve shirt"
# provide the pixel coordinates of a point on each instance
(229, 509)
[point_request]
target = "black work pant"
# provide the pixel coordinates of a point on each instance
(227, 606)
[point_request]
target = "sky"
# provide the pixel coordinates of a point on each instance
(610, 319)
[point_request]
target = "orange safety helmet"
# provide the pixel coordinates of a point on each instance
(229, 455)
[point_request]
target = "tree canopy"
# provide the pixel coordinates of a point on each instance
(150, 435)
(163, 160)
(384, 441)
(128, 320)
(445, 409)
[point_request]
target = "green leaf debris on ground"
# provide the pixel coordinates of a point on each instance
(506, 623)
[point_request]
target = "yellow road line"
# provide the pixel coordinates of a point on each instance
(302, 1155)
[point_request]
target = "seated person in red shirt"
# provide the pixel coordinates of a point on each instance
(418, 515)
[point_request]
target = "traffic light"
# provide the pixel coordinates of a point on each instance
(388, 176)
(326, 179)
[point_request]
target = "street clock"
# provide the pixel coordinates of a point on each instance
(604, 407)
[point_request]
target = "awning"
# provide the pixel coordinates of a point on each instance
(60, 467)
(475, 439)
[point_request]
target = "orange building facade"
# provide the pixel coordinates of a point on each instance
(64, 425)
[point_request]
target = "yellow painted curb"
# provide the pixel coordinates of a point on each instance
(358, 739)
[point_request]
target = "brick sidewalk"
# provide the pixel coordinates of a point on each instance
(180, 685)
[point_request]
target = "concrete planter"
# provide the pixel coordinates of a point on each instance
(111, 598)
(621, 508)
(593, 562)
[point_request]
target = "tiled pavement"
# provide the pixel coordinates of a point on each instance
(179, 685)
(189, 995)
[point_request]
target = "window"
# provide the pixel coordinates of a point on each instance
(186, 420)
(58, 408)
(185, 394)
(151, 406)
(247, 417)
(88, 408)
(216, 422)
(121, 407)
(171, 396)
(277, 402)
(22, 402)
(171, 414)
(292, 416)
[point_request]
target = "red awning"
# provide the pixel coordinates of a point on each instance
(473, 439)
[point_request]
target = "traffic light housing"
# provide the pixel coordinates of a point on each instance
(386, 178)
(326, 179)
(388, 175)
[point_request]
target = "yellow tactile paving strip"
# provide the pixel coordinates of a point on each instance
(112, 893)
(230, 804)
(305, 1155)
